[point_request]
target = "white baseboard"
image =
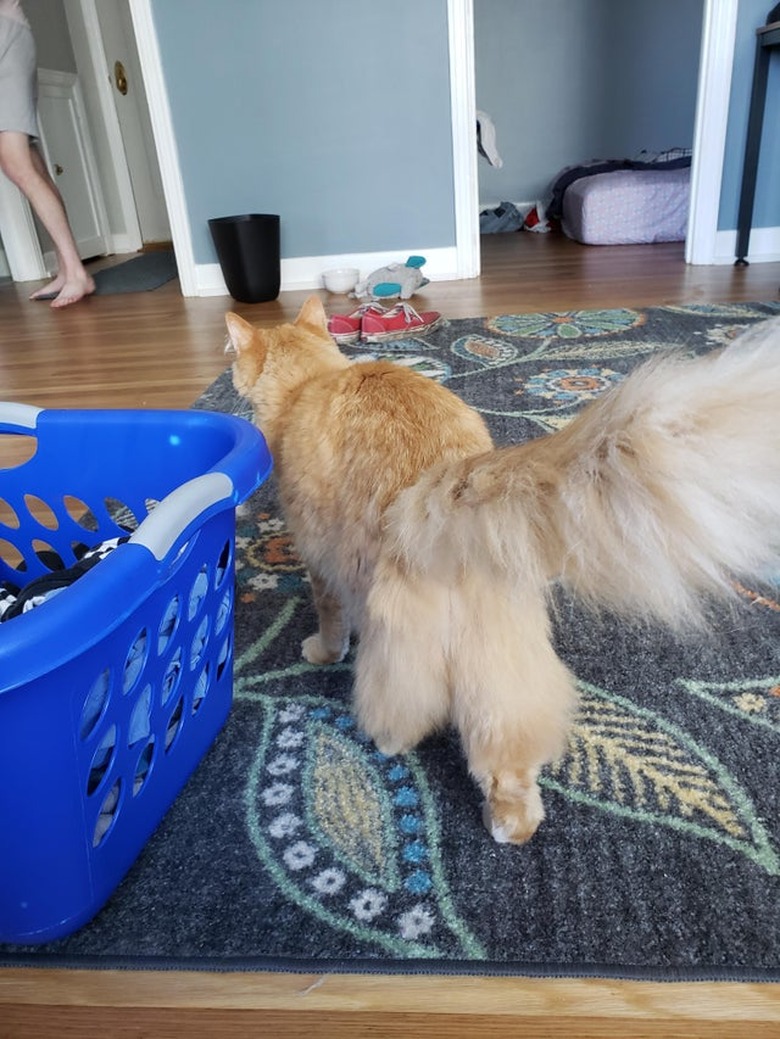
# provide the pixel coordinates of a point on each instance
(305, 272)
(764, 246)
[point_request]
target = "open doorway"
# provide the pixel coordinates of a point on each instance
(103, 47)
(570, 82)
(709, 140)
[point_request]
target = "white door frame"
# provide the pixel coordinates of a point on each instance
(165, 142)
(463, 107)
(709, 144)
(716, 65)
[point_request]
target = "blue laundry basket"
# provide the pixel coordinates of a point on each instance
(112, 691)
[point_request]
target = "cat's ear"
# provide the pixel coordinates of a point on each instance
(250, 348)
(241, 335)
(313, 314)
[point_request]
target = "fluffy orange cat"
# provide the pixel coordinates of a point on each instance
(439, 550)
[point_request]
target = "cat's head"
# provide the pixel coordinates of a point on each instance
(271, 363)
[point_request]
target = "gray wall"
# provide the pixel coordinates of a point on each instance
(334, 115)
(653, 65)
(52, 38)
(539, 70)
(766, 211)
(570, 80)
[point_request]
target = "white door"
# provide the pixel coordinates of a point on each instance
(68, 152)
(132, 109)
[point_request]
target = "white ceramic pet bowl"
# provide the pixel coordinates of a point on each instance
(341, 279)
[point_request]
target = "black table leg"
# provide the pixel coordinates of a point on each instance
(750, 167)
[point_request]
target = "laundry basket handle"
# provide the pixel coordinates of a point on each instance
(16, 417)
(173, 520)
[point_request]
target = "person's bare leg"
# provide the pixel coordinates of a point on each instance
(23, 165)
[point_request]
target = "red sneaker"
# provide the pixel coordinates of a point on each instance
(401, 321)
(346, 328)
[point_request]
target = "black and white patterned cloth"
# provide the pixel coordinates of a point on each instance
(17, 599)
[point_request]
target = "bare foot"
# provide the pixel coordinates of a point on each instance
(74, 290)
(63, 291)
(51, 290)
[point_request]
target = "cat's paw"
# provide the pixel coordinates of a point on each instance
(384, 739)
(316, 652)
(515, 823)
(390, 747)
(389, 736)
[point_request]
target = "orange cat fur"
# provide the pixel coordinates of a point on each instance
(439, 550)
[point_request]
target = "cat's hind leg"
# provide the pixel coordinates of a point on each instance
(512, 700)
(330, 644)
(401, 692)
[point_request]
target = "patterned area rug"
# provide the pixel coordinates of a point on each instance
(296, 845)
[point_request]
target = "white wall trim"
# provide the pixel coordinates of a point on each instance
(305, 272)
(460, 25)
(165, 142)
(709, 138)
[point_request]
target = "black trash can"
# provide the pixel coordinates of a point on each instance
(248, 252)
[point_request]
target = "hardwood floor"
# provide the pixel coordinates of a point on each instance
(157, 349)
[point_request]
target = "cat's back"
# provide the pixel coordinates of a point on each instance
(379, 424)
(386, 407)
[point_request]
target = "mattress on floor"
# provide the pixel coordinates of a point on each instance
(628, 207)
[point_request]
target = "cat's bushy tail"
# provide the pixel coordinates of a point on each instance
(655, 495)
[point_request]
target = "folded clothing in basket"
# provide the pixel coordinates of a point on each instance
(16, 599)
